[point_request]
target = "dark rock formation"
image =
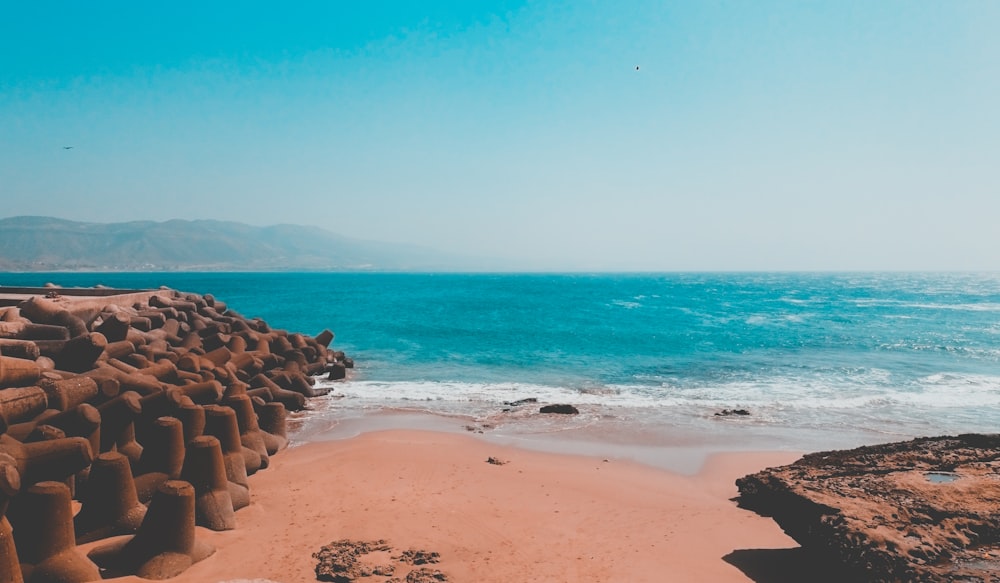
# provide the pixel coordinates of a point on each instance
(339, 561)
(418, 557)
(519, 402)
(422, 575)
(922, 510)
(344, 561)
(731, 412)
(560, 409)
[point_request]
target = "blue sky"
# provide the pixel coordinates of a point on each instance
(763, 135)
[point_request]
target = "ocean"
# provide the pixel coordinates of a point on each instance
(818, 360)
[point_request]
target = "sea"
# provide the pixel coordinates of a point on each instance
(651, 361)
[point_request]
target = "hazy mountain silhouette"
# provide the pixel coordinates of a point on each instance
(50, 244)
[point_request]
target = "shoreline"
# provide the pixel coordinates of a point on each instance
(681, 449)
(682, 455)
(611, 493)
(538, 517)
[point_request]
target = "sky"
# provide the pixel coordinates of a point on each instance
(577, 135)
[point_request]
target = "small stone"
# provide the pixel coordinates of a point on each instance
(561, 409)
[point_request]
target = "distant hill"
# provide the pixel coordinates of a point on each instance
(49, 244)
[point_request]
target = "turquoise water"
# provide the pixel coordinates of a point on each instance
(843, 357)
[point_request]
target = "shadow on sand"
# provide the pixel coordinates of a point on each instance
(787, 566)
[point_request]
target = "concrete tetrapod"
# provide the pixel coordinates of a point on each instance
(24, 349)
(43, 533)
(127, 380)
(192, 417)
(84, 420)
(22, 403)
(39, 332)
(45, 311)
(324, 338)
(290, 399)
(221, 423)
(165, 545)
(205, 470)
(110, 504)
(162, 457)
(119, 349)
(114, 327)
(81, 421)
(18, 372)
(80, 353)
(46, 460)
(250, 433)
(116, 414)
(271, 418)
(155, 406)
(10, 484)
(65, 394)
(129, 445)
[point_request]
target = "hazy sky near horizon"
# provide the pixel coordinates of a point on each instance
(643, 135)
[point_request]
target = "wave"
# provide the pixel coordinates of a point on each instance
(961, 306)
(869, 388)
(628, 305)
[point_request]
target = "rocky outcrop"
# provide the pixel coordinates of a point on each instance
(344, 561)
(921, 510)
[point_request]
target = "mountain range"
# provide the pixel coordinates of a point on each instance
(51, 244)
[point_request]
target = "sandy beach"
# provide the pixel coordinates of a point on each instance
(537, 517)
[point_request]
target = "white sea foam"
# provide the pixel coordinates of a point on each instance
(491, 394)
(902, 304)
(968, 307)
(799, 301)
(848, 390)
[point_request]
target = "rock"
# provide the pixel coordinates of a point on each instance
(338, 561)
(520, 402)
(343, 562)
(560, 409)
(419, 557)
(422, 575)
(495, 461)
(921, 510)
(730, 412)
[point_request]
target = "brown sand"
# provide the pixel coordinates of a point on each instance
(539, 517)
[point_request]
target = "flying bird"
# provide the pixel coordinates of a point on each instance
(67, 147)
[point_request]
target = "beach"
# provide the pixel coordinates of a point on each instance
(537, 517)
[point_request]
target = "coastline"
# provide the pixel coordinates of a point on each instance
(593, 496)
(538, 517)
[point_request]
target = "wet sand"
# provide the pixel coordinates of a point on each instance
(538, 517)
